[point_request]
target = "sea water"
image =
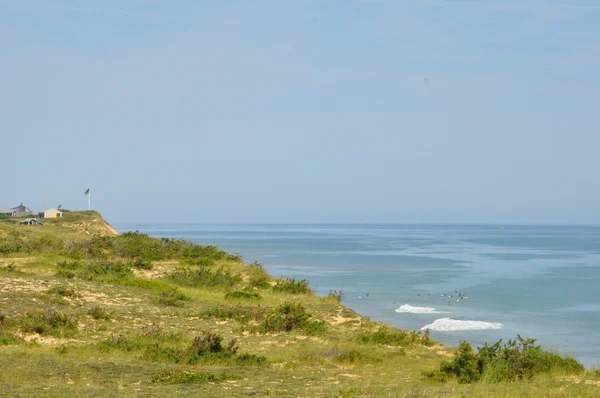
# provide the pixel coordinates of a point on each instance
(536, 281)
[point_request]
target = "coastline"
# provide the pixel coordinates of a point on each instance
(338, 257)
(81, 306)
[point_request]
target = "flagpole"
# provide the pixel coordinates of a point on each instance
(89, 200)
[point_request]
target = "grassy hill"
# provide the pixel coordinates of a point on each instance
(85, 311)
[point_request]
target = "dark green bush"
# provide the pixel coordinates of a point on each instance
(258, 277)
(70, 265)
(106, 272)
(172, 297)
(49, 322)
(65, 273)
(521, 359)
(243, 295)
(210, 253)
(103, 271)
(98, 313)
(464, 366)
(288, 317)
(518, 359)
(292, 286)
(8, 338)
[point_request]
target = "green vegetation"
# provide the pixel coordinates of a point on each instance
(49, 322)
(292, 286)
(519, 359)
(204, 277)
(87, 312)
(289, 317)
(243, 295)
(238, 313)
(98, 313)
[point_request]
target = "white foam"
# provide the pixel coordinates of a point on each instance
(407, 308)
(451, 325)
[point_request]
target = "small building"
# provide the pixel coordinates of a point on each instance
(51, 213)
(31, 221)
(22, 211)
(5, 211)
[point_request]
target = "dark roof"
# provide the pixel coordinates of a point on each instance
(29, 220)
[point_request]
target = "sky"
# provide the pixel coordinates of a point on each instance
(300, 111)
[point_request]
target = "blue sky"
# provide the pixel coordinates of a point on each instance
(429, 111)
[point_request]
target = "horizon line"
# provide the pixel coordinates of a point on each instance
(550, 224)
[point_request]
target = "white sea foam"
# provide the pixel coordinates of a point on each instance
(451, 325)
(407, 308)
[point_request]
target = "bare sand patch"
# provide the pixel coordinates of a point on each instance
(45, 340)
(17, 260)
(24, 285)
(338, 320)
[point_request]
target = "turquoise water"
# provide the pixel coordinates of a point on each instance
(537, 281)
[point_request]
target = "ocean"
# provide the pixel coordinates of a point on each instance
(536, 281)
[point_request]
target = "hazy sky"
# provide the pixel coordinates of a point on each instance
(407, 111)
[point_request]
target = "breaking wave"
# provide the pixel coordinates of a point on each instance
(407, 308)
(451, 325)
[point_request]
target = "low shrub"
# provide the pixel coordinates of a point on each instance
(157, 333)
(106, 272)
(349, 356)
(140, 264)
(172, 297)
(243, 295)
(70, 265)
(194, 253)
(49, 322)
(66, 269)
(288, 317)
(150, 336)
(518, 359)
(388, 336)
(63, 291)
(292, 286)
(238, 313)
(338, 295)
(201, 262)
(98, 313)
(121, 342)
(205, 277)
(181, 377)
(65, 273)
(258, 276)
(208, 348)
(8, 338)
